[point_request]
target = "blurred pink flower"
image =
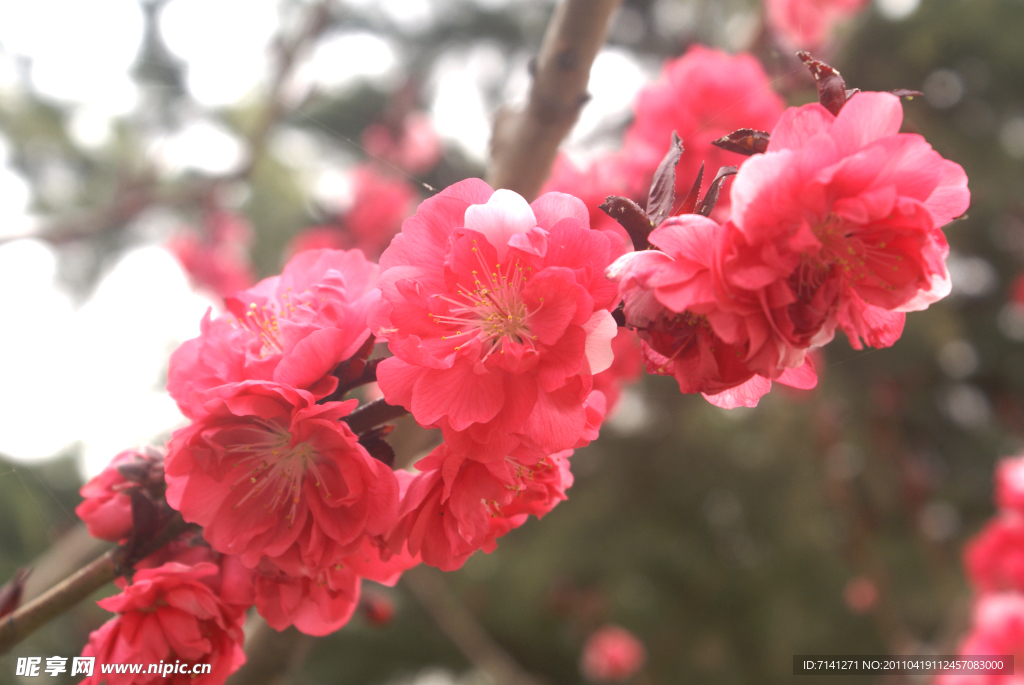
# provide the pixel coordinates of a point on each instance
(415, 148)
(612, 655)
(217, 260)
(379, 204)
(806, 24)
(703, 95)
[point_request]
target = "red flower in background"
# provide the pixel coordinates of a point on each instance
(217, 260)
(997, 627)
(806, 24)
(703, 95)
(414, 148)
(612, 655)
(380, 202)
(611, 174)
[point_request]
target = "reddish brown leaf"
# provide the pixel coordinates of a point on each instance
(631, 217)
(690, 202)
(711, 198)
(663, 188)
(745, 141)
(831, 87)
(10, 593)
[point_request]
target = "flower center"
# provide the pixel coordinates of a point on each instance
(276, 469)
(674, 335)
(853, 253)
(492, 310)
(263, 320)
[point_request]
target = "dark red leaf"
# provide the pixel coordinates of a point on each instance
(831, 87)
(10, 593)
(631, 217)
(374, 442)
(663, 188)
(711, 198)
(147, 519)
(353, 372)
(690, 203)
(745, 141)
(381, 451)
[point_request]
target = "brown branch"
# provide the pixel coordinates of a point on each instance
(456, 621)
(287, 55)
(135, 195)
(72, 551)
(373, 414)
(29, 617)
(525, 142)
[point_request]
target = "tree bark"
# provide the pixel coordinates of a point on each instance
(525, 142)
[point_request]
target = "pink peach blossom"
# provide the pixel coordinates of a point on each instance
(107, 508)
(838, 224)
(672, 301)
(170, 612)
(508, 303)
(268, 472)
(292, 329)
(457, 505)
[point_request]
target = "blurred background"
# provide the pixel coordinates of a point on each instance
(154, 154)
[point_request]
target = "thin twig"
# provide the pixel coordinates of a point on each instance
(270, 655)
(525, 142)
(137, 194)
(72, 551)
(462, 628)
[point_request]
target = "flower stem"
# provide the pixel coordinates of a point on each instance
(373, 414)
(29, 617)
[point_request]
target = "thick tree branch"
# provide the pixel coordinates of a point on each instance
(525, 142)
